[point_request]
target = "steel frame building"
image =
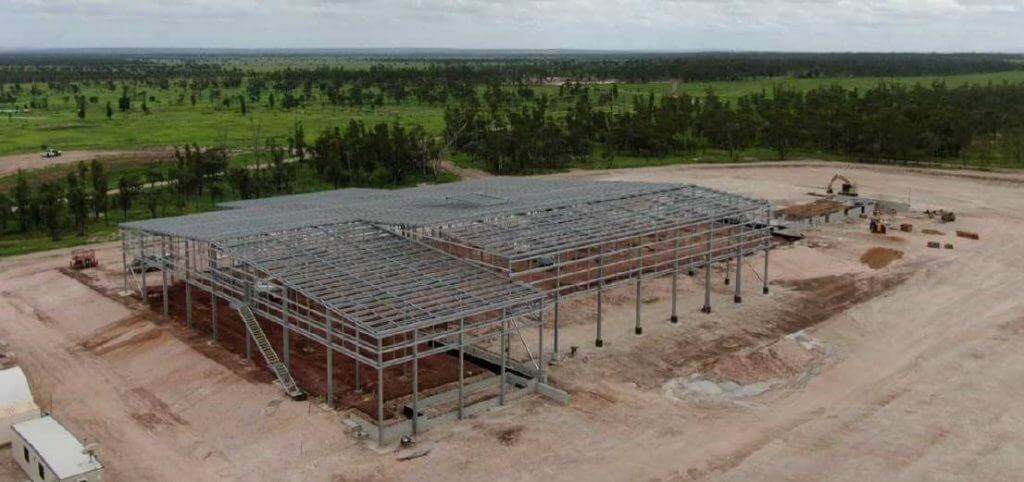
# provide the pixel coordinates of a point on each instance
(388, 278)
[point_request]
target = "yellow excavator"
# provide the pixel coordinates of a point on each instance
(847, 188)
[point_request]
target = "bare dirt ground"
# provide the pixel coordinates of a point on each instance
(912, 371)
(10, 164)
(465, 173)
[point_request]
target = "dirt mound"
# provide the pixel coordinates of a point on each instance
(878, 258)
(809, 210)
(934, 232)
(781, 359)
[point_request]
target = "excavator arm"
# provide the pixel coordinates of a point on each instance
(848, 187)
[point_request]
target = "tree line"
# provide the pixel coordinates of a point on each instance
(886, 122)
(380, 155)
(162, 68)
(432, 80)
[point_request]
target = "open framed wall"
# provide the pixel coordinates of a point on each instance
(392, 281)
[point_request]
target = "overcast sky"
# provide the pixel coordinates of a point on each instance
(802, 25)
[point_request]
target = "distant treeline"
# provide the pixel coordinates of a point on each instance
(887, 122)
(27, 67)
(382, 155)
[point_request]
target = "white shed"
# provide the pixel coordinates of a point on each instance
(16, 403)
(47, 452)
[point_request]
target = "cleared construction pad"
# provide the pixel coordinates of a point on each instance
(919, 376)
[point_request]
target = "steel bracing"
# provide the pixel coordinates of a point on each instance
(391, 277)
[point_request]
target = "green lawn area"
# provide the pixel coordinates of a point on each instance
(170, 123)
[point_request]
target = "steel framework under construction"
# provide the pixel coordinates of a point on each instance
(388, 278)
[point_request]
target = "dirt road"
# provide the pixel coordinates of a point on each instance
(464, 173)
(10, 164)
(915, 373)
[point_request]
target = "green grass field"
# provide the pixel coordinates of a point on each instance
(170, 123)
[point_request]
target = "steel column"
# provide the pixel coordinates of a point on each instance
(124, 259)
(415, 380)
(286, 340)
(674, 318)
(358, 388)
(540, 344)
(380, 392)
(558, 295)
(462, 369)
(738, 296)
(599, 342)
(707, 269)
(213, 293)
(764, 290)
(330, 359)
(638, 330)
(188, 285)
(163, 271)
(143, 266)
(502, 344)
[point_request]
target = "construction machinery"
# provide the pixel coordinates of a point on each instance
(52, 153)
(877, 226)
(943, 215)
(847, 188)
(83, 258)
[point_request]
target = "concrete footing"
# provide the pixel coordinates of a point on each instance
(394, 431)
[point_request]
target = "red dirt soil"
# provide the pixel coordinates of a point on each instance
(878, 258)
(809, 210)
(309, 365)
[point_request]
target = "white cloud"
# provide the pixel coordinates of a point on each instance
(931, 25)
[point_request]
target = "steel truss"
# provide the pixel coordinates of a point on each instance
(389, 278)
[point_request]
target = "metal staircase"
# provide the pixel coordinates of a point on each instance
(275, 364)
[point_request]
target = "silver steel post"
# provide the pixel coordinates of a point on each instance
(415, 380)
(738, 296)
(503, 341)
(124, 258)
(767, 247)
(358, 347)
(462, 370)
(599, 342)
(330, 359)
(286, 342)
(248, 332)
(163, 271)
(558, 296)
(707, 269)
(540, 345)
(188, 285)
(764, 290)
(143, 266)
(380, 392)
(638, 330)
(213, 293)
(675, 280)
